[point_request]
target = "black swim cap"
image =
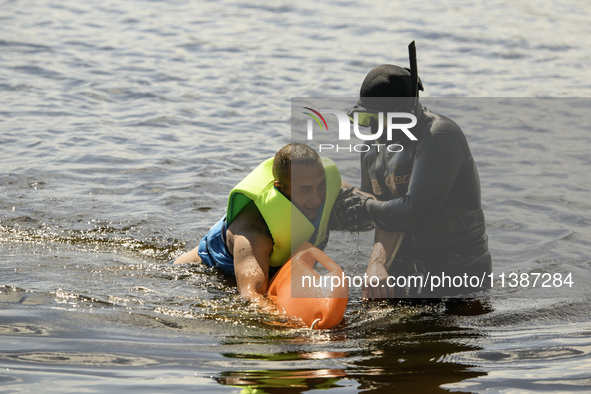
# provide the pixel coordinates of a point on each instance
(386, 80)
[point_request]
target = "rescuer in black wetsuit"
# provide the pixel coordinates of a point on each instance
(427, 194)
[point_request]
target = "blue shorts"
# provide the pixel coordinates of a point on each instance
(213, 250)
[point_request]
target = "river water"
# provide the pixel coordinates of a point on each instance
(123, 126)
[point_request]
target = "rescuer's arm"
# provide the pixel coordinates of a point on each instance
(435, 168)
(384, 249)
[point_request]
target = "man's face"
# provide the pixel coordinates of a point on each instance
(307, 189)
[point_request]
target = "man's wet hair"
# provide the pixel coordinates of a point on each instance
(295, 153)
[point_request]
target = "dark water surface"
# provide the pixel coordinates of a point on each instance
(123, 126)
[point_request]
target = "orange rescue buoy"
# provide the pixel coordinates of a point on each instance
(319, 300)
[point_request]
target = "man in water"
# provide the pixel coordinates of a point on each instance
(426, 197)
(294, 190)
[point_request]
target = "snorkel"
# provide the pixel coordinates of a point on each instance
(414, 73)
(414, 92)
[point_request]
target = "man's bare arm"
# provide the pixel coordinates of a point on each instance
(251, 245)
(251, 264)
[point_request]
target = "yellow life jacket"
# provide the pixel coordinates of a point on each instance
(280, 215)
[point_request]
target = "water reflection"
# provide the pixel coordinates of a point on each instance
(407, 350)
(411, 366)
(282, 381)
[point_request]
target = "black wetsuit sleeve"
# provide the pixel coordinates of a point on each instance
(365, 179)
(436, 165)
